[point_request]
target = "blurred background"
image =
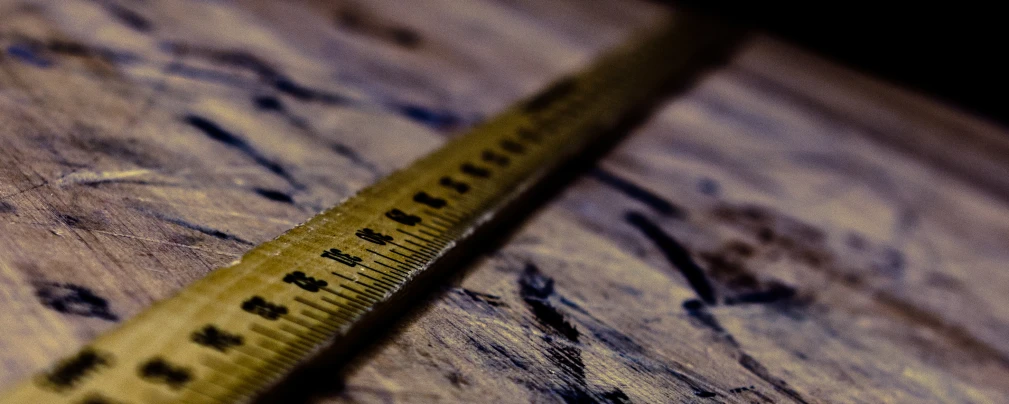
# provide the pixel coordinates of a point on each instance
(952, 52)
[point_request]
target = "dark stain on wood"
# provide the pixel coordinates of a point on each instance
(699, 312)
(639, 193)
(65, 47)
(944, 281)
(74, 299)
(274, 195)
(274, 104)
(216, 132)
(484, 298)
(268, 103)
(759, 370)
(891, 263)
(564, 343)
(457, 379)
(354, 157)
(775, 293)
(709, 187)
(129, 17)
(676, 254)
(568, 359)
(93, 221)
(763, 220)
(616, 396)
(356, 21)
(436, 119)
(30, 54)
(240, 59)
(535, 290)
(806, 245)
(69, 48)
(705, 394)
(196, 227)
(727, 265)
(405, 37)
(738, 390)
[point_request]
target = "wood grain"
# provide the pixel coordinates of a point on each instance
(852, 235)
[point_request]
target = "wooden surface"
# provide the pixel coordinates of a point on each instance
(852, 236)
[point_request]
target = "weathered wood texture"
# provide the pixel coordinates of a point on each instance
(853, 236)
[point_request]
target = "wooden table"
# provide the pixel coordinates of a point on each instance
(785, 231)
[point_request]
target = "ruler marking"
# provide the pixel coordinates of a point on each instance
(342, 276)
(324, 320)
(389, 258)
(271, 352)
(383, 273)
(348, 308)
(285, 341)
(404, 272)
(195, 388)
(381, 282)
(234, 393)
(362, 306)
(219, 367)
(455, 217)
(422, 254)
(410, 259)
(436, 220)
(314, 305)
(435, 228)
(228, 390)
(319, 335)
(393, 277)
(356, 311)
(266, 332)
(366, 286)
(334, 292)
(208, 395)
(413, 259)
(335, 318)
(404, 268)
(438, 216)
(428, 241)
(364, 294)
(422, 247)
(429, 234)
(273, 367)
(452, 212)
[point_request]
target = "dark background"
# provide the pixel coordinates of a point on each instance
(952, 52)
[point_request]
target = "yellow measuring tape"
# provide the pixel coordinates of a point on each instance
(239, 330)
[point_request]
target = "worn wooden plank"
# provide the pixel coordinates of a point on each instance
(851, 234)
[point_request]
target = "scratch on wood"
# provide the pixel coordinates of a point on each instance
(111, 233)
(92, 177)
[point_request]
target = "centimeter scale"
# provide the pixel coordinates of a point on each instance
(243, 328)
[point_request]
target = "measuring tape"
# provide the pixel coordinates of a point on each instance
(242, 328)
